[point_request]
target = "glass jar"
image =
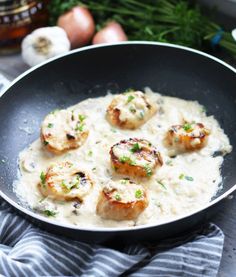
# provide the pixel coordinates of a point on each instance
(19, 18)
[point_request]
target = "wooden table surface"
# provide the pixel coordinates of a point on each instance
(11, 66)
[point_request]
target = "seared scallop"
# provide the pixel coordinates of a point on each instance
(65, 181)
(187, 137)
(122, 200)
(130, 110)
(135, 157)
(63, 130)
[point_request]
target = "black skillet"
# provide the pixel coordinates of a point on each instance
(90, 72)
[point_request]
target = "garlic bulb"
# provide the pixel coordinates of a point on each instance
(44, 43)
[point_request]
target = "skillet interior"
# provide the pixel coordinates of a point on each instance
(72, 78)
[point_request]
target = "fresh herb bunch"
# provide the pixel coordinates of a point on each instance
(173, 21)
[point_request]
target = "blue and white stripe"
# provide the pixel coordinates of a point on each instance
(28, 251)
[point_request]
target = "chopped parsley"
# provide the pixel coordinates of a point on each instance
(169, 162)
(130, 98)
(45, 142)
(132, 110)
(141, 115)
(181, 176)
(113, 130)
(50, 125)
(81, 117)
(43, 177)
(90, 153)
(148, 170)
(117, 197)
(49, 213)
(160, 183)
(187, 127)
(188, 178)
(136, 147)
(138, 194)
(79, 127)
(125, 159)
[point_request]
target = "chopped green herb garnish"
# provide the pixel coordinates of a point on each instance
(81, 117)
(90, 153)
(181, 176)
(138, 194)
(136, 147)
(113, 130)
(117, 197)
(132, 110)
(125, 159)
(189, 178)
(141, 115)
(130, 98)
(148, 170)
(50, 125)
(187, 127)
(169, 162)
(159, 182)
(124, 182)
(49, 213)
(94, 169)
(45, 142)
(79, 127)
(43, 177)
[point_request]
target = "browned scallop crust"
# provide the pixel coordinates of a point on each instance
(187, 137)
(136, 116)
(65, 181)
(63, 130)
(130, 165)
(110, 208)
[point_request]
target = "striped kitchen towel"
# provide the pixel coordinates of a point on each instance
(28, 251)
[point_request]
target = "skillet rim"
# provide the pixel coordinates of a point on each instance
(115, 229)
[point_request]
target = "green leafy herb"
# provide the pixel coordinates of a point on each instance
(80, 127)
(117, 197)
(136, 147)
(49, 213)
(189, 178)
(90, 153)
(113, 130)
(130, 98)
(138, 194)
(148, 170)
(181, 176)
(169, 162)
(45, 142)
(126, 159)
(175, 21)
(50, 125)
(159, 182)
(187, 127)
(132, 110)
(43, 177)
(141, 115)
(81, 117)
(124, 182)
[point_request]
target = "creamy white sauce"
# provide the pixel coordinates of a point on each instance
(183, 184)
